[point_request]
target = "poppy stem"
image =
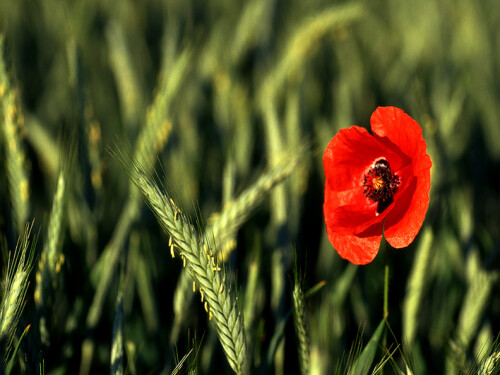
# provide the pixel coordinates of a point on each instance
(386, 286)
(386, 295)
(386, 273)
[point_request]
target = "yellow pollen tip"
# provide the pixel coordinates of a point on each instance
(378, 182)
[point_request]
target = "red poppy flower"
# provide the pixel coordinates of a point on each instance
(376, 183)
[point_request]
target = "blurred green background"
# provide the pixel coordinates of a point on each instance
(230, 87)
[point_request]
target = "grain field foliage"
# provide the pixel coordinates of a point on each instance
(168, 155)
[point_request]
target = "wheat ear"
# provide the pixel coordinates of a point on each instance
(476, 299)
(305, 40)
(416, 285)
(490, 364)
(225, 224)
(130, 91)
(150, 142)
(299, 320)
(13, 122)
(197, 257)
(16, 286)
(237, 211)
(51, 259)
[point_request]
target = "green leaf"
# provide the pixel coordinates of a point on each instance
(364, 362)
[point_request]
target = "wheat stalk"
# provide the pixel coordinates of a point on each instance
(118, 336)
(182, 300)
(225, 224)
(220, 302)
(141, 269)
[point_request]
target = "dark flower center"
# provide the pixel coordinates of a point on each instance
(380, 184)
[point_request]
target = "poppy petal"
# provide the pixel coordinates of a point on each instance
(358, 249)
(393, 127)
(404, 221)
(346, 160)
(354, 219)
(348, 156)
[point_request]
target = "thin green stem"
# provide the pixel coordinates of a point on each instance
(386, 293)
(383, 245)
(386, 288)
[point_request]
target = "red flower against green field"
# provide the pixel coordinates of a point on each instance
(376, 183)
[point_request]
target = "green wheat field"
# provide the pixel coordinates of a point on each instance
(161, 187)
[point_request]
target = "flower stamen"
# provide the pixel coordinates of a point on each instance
(379, 184)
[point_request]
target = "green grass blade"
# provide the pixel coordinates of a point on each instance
(10, 364)
(364, 362)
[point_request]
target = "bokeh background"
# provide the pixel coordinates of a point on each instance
(227, 88)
